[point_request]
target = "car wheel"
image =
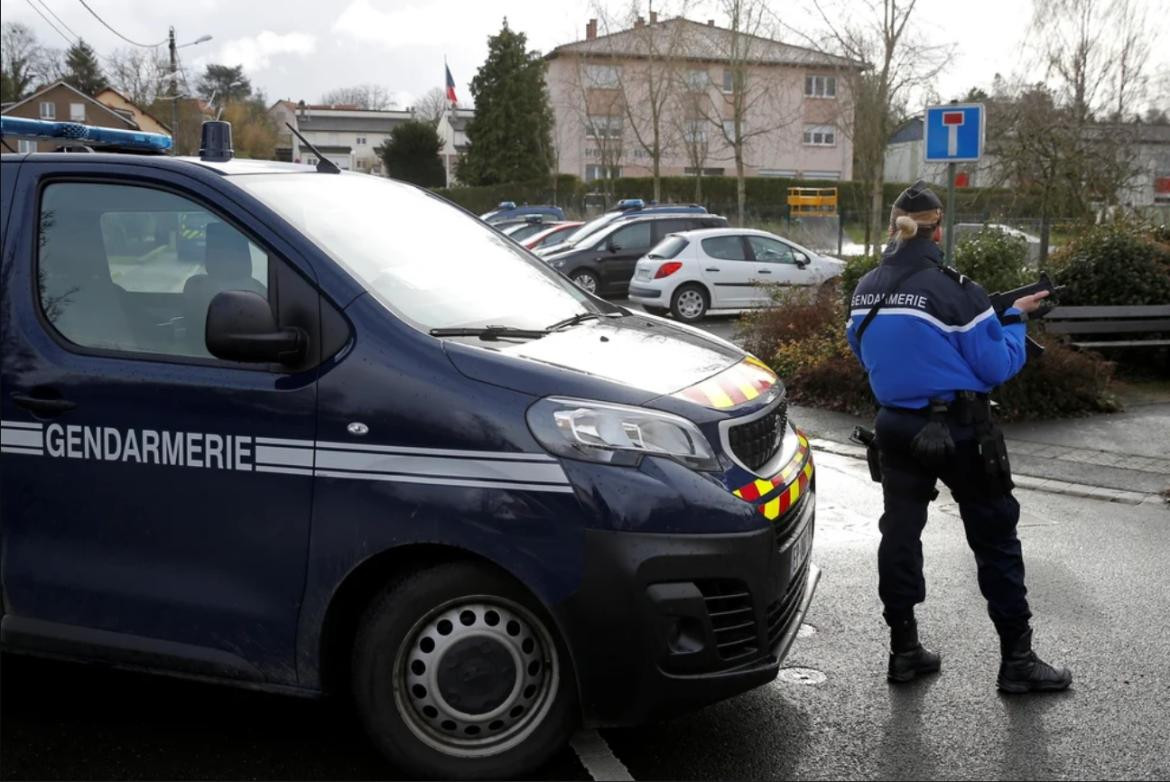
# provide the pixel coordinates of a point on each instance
(586, 280)
(689, 303)
(458, 673)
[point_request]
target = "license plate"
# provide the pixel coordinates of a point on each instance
(643, 274)
(801, 547)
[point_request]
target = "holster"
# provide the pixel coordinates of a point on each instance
(975, 410)
(868, 438)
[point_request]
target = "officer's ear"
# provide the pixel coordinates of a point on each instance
(936, 237)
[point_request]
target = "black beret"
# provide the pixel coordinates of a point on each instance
(918, 198)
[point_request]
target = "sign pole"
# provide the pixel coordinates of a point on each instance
(949, 217)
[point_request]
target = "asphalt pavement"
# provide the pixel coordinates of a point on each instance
(1099, 587)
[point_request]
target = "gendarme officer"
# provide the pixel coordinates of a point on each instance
(934, 348)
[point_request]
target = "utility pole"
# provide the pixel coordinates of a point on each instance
(174, 92)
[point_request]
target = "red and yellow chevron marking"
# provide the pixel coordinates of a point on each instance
(794, 478)
(733, 386)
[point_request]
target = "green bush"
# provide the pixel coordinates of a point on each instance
(996, 260)
(856, 267)
(1114, 265)
(1062, 384)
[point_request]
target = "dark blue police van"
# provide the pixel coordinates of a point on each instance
(259, 427)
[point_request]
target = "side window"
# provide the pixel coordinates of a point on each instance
(667, 227)
(770, 251)
(134, 269)
(728, 248)
(632, 237)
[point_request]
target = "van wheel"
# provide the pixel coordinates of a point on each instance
(458, 674)
(689, 303)
(586, 280)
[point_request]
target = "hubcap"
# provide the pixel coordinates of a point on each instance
(586, 281)
(690, 304)
(476, 677)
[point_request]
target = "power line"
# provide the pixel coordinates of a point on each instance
(59, 19)
(49, 22)
(115, 32)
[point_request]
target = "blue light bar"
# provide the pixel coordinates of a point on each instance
(19, 127)
(630, 203)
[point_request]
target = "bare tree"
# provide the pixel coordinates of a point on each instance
(690, 126)
(748, 103)
(431, 106)
(648, 80)
(593, 97)
(24, 62)
(363, 96)
(897, 65)
(1073, 40)
(139, 74)
(1134, 45)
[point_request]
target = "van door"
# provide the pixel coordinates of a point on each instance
(156, 500)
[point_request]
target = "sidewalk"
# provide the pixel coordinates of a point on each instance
(1122, 457)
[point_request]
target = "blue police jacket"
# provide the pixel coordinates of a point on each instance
(935, 335)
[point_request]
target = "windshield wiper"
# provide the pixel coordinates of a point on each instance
(573, 321)
(490, 332)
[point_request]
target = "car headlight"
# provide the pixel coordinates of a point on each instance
(617, 434)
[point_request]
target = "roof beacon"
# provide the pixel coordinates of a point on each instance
(630, 203)
(215, 142)
(122, 140)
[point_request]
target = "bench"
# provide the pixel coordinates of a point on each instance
(1125, 321)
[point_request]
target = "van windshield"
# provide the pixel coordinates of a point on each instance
(592, 226)
(434, 265)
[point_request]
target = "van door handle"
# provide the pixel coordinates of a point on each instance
(765, 271)
(42, 406)
(712, 269)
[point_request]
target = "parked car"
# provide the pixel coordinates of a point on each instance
(508, 210)
(603, 262)
(552, 234)
(330, 458)
(690, 273)
(625, 210)
(521, 231)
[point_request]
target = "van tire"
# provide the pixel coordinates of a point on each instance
(491, 621)
(689, 303)
(587, 281)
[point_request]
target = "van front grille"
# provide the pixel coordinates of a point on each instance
(755, 442)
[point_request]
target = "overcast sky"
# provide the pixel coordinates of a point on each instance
(299, 49)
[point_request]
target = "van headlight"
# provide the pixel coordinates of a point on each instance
(617, 434)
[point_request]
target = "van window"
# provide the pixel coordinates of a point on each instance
(631, 238)
(132, 268)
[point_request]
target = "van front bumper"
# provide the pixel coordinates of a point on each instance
(664, 623)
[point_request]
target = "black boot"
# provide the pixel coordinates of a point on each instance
(907, 656)
(1022, 671)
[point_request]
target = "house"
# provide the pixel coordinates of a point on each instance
(797, 120)
(64, 103)
(349, 136)
(127, 108)
(452, 130)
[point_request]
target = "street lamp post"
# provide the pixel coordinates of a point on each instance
(175, 82)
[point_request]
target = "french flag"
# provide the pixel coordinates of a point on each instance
(450, 86)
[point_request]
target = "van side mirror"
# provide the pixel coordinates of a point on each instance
(241, 327)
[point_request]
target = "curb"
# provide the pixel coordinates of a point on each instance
(1032, 482)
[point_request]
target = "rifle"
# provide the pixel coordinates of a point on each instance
(1001, 300)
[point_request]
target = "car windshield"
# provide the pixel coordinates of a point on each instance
(425, 260)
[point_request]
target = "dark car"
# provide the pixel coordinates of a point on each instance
(603, 263)
(628, 209)
(508, 210)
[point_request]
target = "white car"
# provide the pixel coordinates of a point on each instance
(691, 273)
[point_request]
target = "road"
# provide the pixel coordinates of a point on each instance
(1099, 587)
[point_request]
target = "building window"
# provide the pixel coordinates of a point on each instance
(25, 146)
(605, 77)
(729, 129)
(603, 127)
(695, 131)
(787, 173)
(691, 171)
(696, 79)
(77, 112)
(820, 136)
(361, 139)
(830, 175)
(594, 172)
(820, 86)
(48, 110)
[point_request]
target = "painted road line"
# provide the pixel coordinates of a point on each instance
(597, 758)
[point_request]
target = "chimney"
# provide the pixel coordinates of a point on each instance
(710, 22)
(639, 22)
(653, 17)
(591, 30)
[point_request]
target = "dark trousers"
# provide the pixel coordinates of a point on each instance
(989, 517)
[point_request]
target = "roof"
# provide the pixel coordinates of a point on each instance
(132, 103)
(60, 83)
(700, 42)
(910, 130)
(230, 168)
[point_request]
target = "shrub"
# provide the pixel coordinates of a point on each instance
(1062, 384)
(1114, 264)
(795, 315)
(996, 260)
(856, 267)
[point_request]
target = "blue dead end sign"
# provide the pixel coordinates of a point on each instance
(954, 133)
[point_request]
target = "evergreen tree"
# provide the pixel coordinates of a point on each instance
(82, 70)
(510, 137)
(226, 83)
(412, 154)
